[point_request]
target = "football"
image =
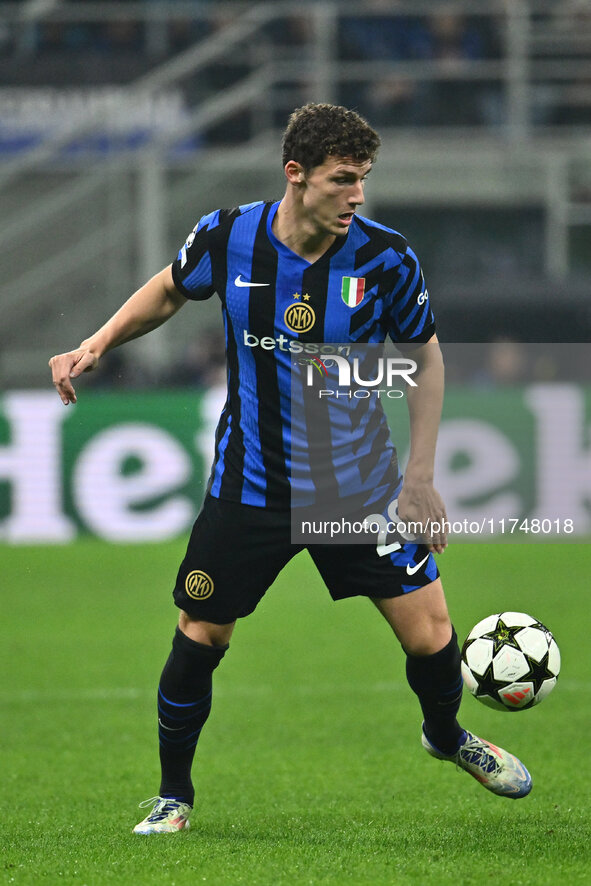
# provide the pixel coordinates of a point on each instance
(510, 661)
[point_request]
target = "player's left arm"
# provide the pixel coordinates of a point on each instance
(419, 501)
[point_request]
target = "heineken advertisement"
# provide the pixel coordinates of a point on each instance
(513, 464)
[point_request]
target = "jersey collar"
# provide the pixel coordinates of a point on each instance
(282, 249)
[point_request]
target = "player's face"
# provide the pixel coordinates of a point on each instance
(332, 193)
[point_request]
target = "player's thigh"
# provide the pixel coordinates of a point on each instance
(419, 619)
(234, 554)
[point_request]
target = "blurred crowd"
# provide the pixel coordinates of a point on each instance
(200, 365)
(445, 43)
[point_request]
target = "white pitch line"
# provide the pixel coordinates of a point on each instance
(261, 690)
(30, 696)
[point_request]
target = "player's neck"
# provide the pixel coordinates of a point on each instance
(298, 234)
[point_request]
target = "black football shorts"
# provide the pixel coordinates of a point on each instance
(236, 551)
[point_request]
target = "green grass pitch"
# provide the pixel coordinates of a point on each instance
(310, 770)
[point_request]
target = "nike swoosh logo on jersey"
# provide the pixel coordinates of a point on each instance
(240, 282)
(410, 570)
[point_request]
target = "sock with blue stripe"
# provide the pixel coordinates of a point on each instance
(184, 703)
(437, 681)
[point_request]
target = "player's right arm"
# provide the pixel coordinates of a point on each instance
(154, 303)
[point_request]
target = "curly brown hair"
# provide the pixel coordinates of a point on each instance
(317, 131)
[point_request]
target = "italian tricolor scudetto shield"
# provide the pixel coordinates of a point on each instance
(353, 290)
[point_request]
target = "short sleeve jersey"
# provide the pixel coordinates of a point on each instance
(367, 287)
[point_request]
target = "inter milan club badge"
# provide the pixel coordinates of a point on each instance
(353, 290)
(300, 316)
(199, 585)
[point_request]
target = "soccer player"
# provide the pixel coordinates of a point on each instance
(305, 269)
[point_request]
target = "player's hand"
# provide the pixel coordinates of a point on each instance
(65, 367)
(420, 503)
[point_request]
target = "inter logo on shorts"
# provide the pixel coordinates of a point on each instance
(353, 290)
(199, 585)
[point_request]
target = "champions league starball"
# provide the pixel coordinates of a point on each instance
(510, 661)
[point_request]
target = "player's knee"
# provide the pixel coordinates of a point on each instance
(205, 632)
(429, 637)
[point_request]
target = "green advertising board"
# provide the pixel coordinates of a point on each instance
(133, 466)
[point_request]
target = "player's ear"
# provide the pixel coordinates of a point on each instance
(294, 172)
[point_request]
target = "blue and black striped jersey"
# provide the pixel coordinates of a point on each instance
(276, 305)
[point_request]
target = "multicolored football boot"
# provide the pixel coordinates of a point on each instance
(167, 816)
(496, 769)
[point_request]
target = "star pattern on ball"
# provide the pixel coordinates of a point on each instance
(540, 673)
(510, 661)
(502, 635)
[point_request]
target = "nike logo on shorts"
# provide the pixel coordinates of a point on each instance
(241, 283)
(410, 570)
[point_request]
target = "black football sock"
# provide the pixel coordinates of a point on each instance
(184, 703)
(437, 680)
